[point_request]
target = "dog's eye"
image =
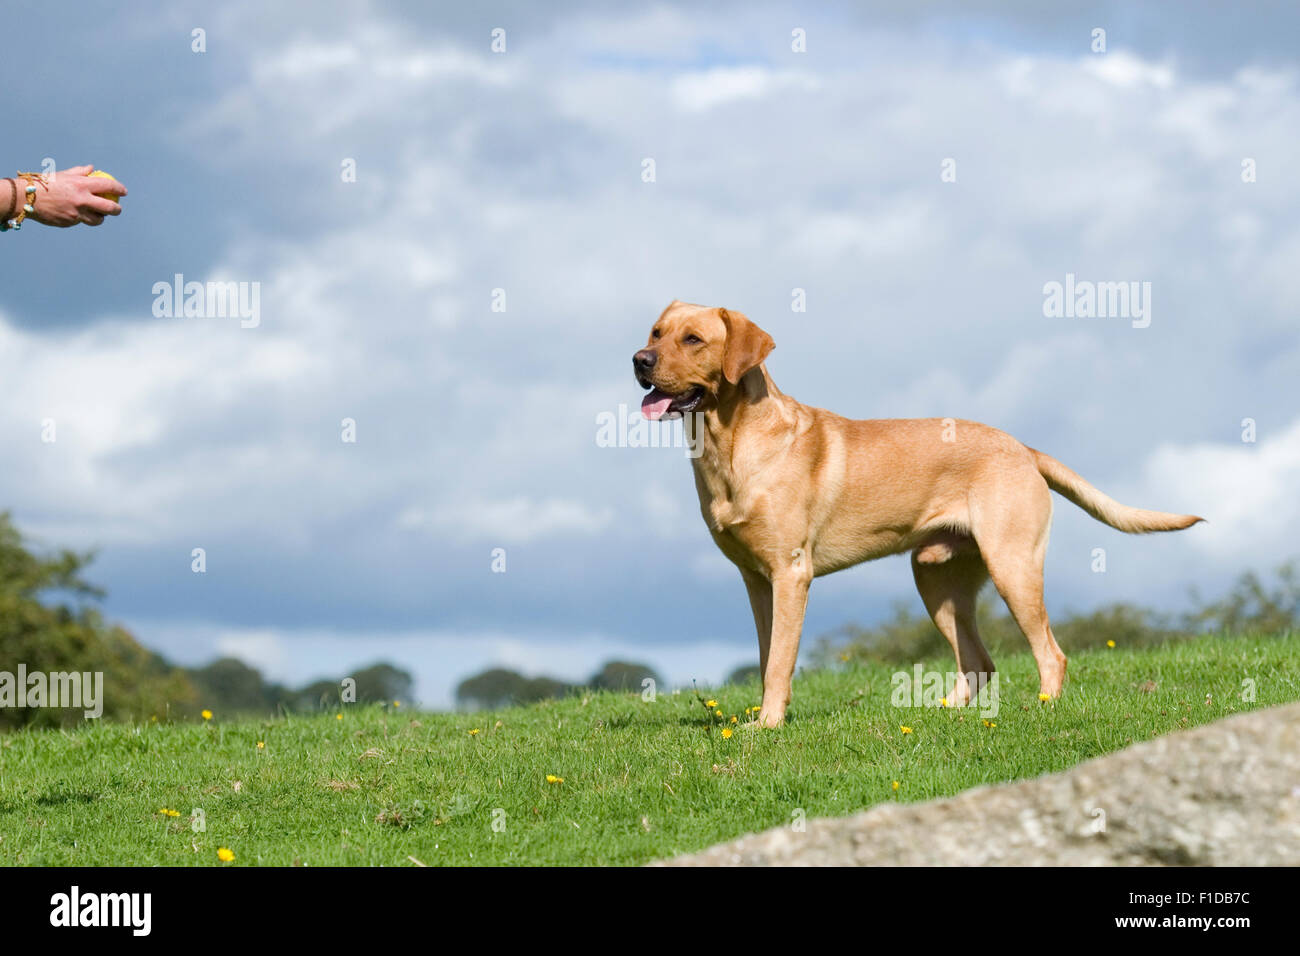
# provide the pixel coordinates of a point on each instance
(692, 340)
(656, 333)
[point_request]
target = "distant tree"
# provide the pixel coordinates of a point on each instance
(384, 682)
(745, 674)
(318, 695)
(1252, 607)
(50, 637)
(500, 687)
(622, 676)
(229, 686)
(1125, 624)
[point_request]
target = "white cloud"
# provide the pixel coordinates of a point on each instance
(1247, 492)
(1126, 70)
(705, 90)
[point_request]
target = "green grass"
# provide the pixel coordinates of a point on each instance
(641, 780)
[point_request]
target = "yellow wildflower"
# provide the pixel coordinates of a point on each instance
(551, 778)
(206, 715)
(726, 733)
(224, 855)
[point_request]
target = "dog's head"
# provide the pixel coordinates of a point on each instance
(692, 354)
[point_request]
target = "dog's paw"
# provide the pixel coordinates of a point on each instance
(769, 718)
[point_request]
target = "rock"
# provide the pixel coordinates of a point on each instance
(1225, 794)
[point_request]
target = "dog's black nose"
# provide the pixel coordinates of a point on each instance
(644, 361)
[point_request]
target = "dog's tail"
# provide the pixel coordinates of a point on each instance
(1133, 520)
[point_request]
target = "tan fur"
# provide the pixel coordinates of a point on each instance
(791, 492)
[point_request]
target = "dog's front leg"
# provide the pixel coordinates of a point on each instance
(789, 601)
(760, 602)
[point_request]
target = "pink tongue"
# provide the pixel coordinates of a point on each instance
(655, 405)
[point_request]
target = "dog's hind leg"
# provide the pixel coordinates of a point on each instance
(949, 579)
(1012, 536)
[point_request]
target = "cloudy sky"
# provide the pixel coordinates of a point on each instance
(524, 171)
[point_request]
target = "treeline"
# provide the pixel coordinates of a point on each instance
(1252, 606)
(500, 687)
(139, 684)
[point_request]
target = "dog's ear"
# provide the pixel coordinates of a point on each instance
(746, 347)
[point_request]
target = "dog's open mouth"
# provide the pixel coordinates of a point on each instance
(659, 404)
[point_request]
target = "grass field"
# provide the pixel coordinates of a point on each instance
(640, 780)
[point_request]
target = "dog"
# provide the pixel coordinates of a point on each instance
(790, 493)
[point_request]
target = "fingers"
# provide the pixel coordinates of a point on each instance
(101, 205)
(99, 185)
(92, 218)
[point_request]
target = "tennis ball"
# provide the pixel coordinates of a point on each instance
(103, 175)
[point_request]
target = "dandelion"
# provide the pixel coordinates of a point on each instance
(1044, 696)
(989, 723)
(1110, 643)
(338, 716)
(474, 732)
(735, 719)
(261, 745)
(943, 701)
(710, 703)
(726, 733)
(206, 715)
(169, 813)
(718, 713)
(896, 785)
(397, 703)
(224, 855)
(906, 730)
(551, 778)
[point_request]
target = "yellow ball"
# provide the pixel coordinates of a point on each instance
(103, 175)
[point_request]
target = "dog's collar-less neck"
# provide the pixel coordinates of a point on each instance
(755, 399)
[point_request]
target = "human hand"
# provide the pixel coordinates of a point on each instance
(73, 196)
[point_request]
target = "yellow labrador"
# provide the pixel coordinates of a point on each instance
(791, 492)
